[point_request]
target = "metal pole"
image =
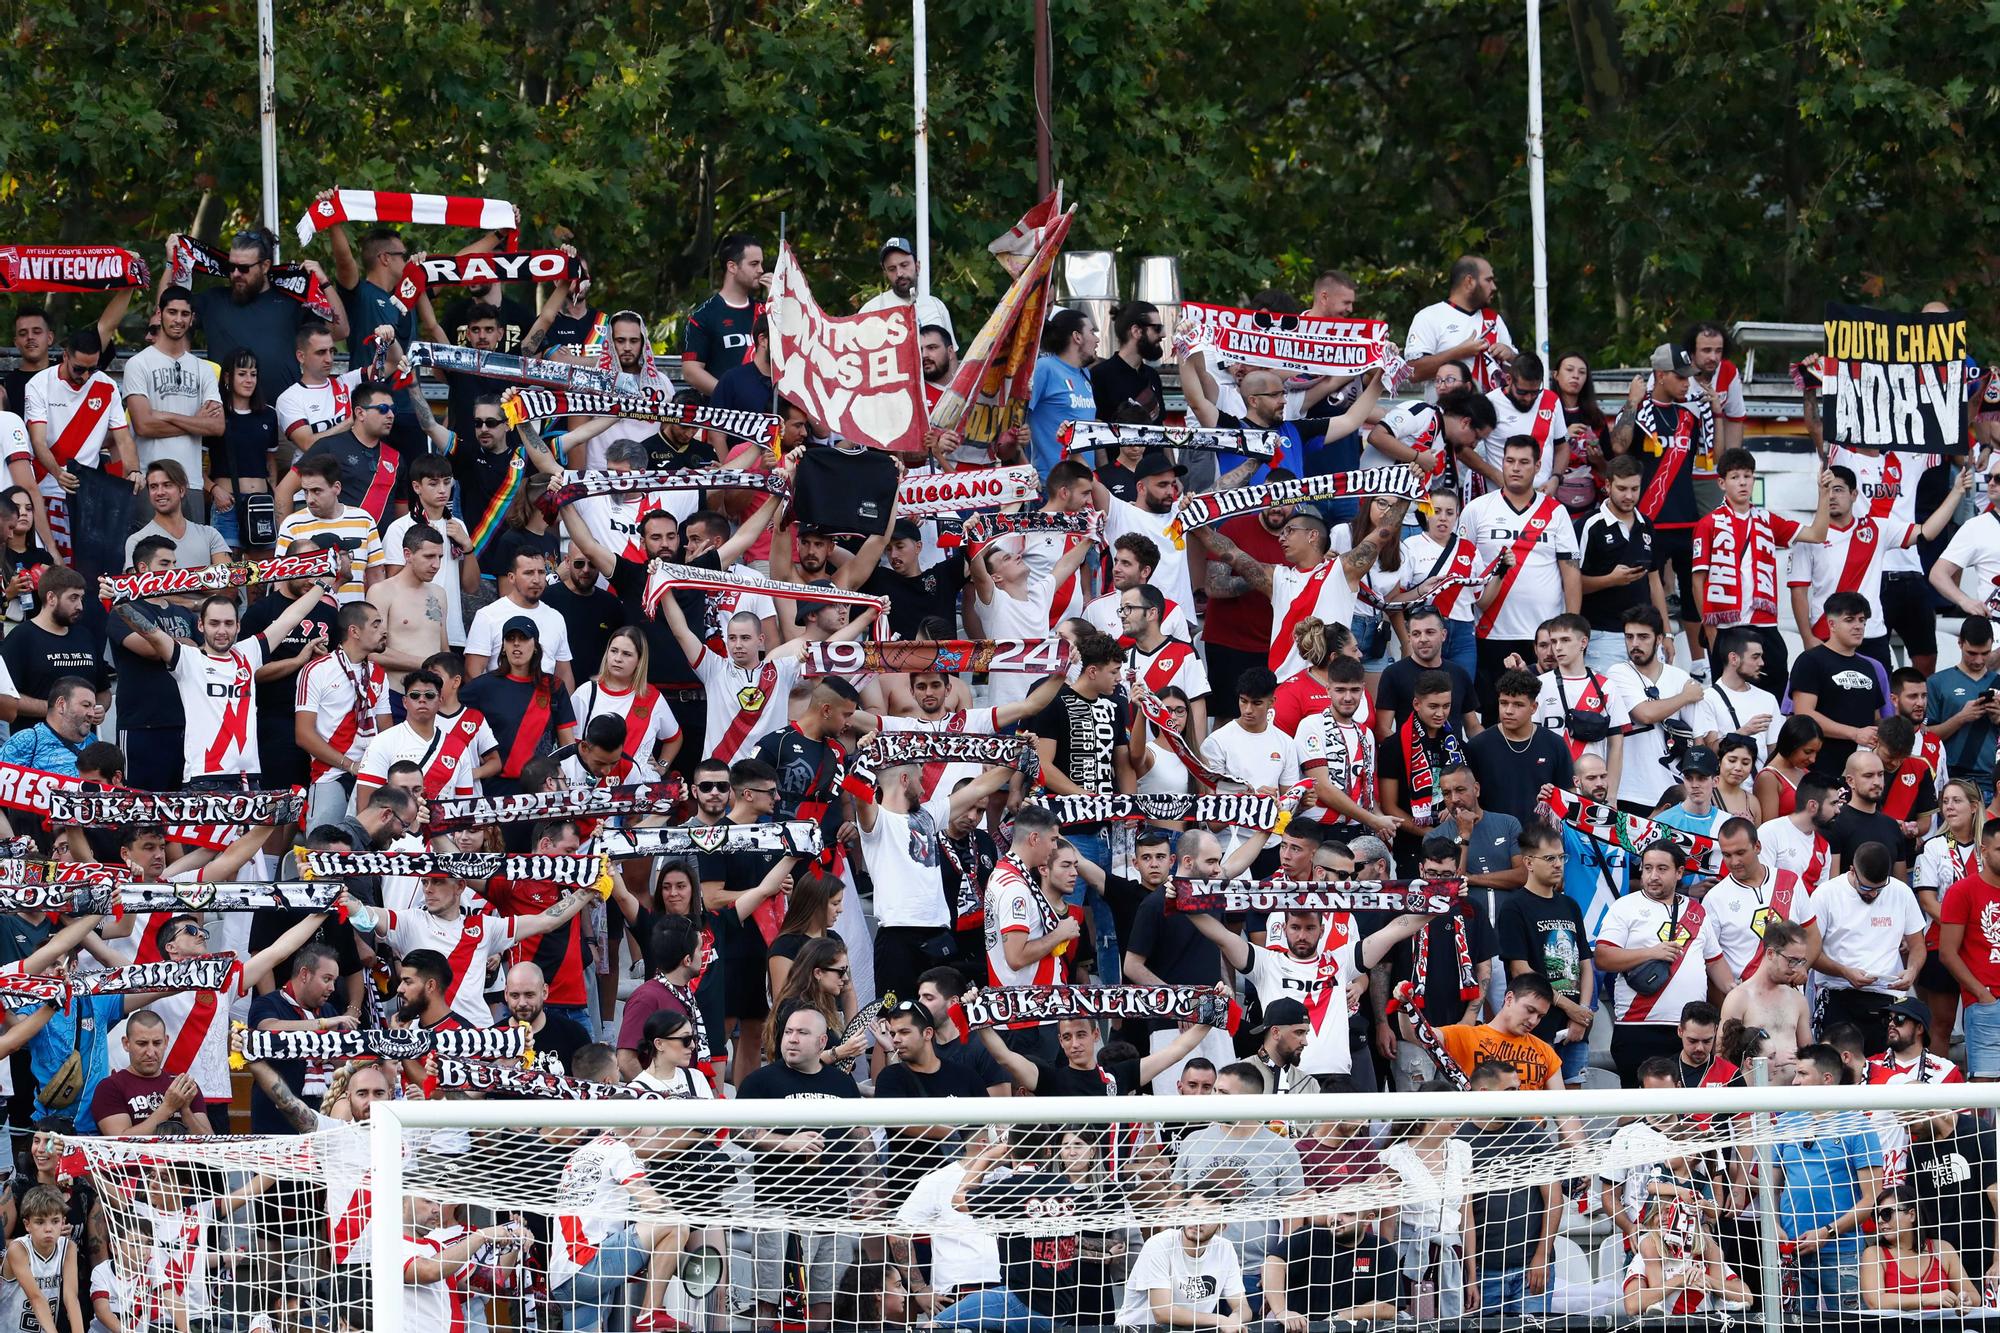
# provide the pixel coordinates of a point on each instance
(1772, 1284)
(923, 110)
(1537, 208)
(267, 114)
(385, 1203)
(1044, 174)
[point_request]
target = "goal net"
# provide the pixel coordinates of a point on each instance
(1819, 1206)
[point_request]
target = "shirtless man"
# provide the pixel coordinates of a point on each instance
(1773, 998)
(411, 605)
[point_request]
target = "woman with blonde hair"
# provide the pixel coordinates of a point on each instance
(1306, 693)
(620, 688)
(1947, 857)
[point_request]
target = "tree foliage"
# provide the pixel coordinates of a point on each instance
(1718, 158)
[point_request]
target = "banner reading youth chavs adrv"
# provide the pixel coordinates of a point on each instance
(1894, 381)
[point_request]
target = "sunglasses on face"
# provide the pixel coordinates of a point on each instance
(235, 267)
(760, 791)
(385, 409)
(1264, 319)
(417, 698)
(489, 423)
(838, 971)
(682, 1040)
(195, 932)
(711, 786)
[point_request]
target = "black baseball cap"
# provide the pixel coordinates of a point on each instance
(1155, 461)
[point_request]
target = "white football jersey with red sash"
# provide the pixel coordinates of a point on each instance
(345, 700)
(745, 704)
(219, 701)
(1323, 591)
(466, 941)
(1852, 559)
(1888, 493)
(649, 720)
(1174, 663)
(1740, 914)
(1345, 748)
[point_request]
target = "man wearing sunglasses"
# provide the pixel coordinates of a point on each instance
(453, 758)
(250, 313)
(373, 472)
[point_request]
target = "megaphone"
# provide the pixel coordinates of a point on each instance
(700, 1270)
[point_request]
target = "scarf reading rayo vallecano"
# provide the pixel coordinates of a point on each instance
(638, 798)
(1082, 437)
(585, 485)
(515, 1041)
(572, 872)
(297, 281)
(537, 404)
(124, 588)
(663, 576)
(427, 210)
(1608, 824)
(125, 807)
(1212, 507)
(1007, 1005)
(511, 1080)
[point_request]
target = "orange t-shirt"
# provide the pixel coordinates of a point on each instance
(1473, 1046)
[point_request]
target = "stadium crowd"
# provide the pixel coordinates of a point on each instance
(1582, 614)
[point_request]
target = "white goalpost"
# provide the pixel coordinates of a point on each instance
(1420, 1210)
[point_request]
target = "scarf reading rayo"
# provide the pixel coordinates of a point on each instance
(455, 360)
(639, 798)
(118, 589)
(1212, 507)
(537, 404)
(584, 485)
(663, 576)
(294, 280)
(125, 807)
(1608, 824)
(797, 837)
(1082, 437)
(207, 972)
(427, 210)
(70, 268)
(571, 872)
(1240, 808)
(515, 1041)
(1428, 897)
(107, 897)
(1418, 775)
(1007, 1005)
(510, 1080)
(1032, 657)
(893, 749)
(1723, 599)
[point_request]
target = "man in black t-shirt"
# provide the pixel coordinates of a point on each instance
(1126, 387)
(1861, 820)
(59, 641)
(150, 719)
(1953, 1169)
(1515, 759)
(284, 763)
(917, 594)
(1398, 690)
(1615, 554)
(1515, 1226)
(515, 319)
(1081, 738)
(482, 331)
(919, 1072)
(1338, 1273)
(809, 762)
(1017, 1179)
(592, 613)
(716, 337)
(1840, 687)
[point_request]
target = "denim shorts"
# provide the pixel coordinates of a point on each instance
(1982, 1040)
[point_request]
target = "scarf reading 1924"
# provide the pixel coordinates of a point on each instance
(118, 589)
(511, 1080)
(584, 485)
(1081, 437)
(426, 210)
(297, 281)
(1006, 1005)
(1212, 507)
(1033, 657)
(572, 872)
(125, 807)
(537, 404)
(639, 798)
(515, 1041)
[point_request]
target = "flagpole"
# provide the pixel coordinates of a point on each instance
(1537, 206)
(1044, 173)
(770, 313)
(267, 110)
(923, 101)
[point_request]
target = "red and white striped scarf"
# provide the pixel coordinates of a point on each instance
(1725, 601)
(431, 210)
(664, 576)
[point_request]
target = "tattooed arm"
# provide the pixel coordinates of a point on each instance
(1220, 549)
(141, 623)
(1361, 559)
(300, 1116)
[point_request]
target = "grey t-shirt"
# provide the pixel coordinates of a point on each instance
(194, 549)
(1268, 1166)
(1491, 848)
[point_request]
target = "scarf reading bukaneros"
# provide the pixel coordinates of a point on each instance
(797, 837)
(1006, 1006)
(1608, 824)
(639, 798)
(584, 485)
(1240, 808)
(536, 404)
(108, 897)
(1081, 437)
(455, 360)
(515, 1041)
(1212, 507)
(950, 494)
(891, 749)
(510, 1080)
(572, 872)
(297, 281)
(1407, 1003)
(427, 210)
(125, 806)
(662, 576)
(1163, 726)
(1033, 657)
(983, 528)
(31, 789)
(1428, 897)
(117, 589)
(71, 268)
(212, 972)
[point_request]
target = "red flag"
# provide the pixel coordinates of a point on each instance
(857, 375)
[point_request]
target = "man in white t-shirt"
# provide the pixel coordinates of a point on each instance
(1462, 327)
(1871, 944)
(1133, 559)
(900, 834)
(1734, 706)
(1158, 479)
(320, 403)
(1190, 1275)
(1857, 552)
(1252, 749)
(1653, 692)
(1572, 695)
(1528, 556)
(466, 940)
(521, 588)
(172, 396)
(1520, 407)
(747, 690)
(1967, 574)
(1015, 604)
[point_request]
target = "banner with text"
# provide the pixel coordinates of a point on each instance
(1894, 381)
(859, 376)
(1295, 344)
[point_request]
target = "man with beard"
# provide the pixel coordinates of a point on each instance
(1163, 948)
(1862, 819)
(75, 417)
(932, 692)
(557, 1038)
(918, 592)
(1741, 906)
(54, 644)
(251, 313)
(1305, 442)
(939, 357)
(899, 269)
(1521, 406)
(1413, 760)
(1462, 327)
(461, 942)
(516, 319)
(482, 331)
(1126, 385)
(587, 439)
(1651, 691)
(717, 336)
(486, 470)
(748, 388)
(304, 1002)
(805, 555)
(1595, 873)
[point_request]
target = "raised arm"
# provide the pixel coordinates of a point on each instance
(691, 646)
(141, 623)
(747, 532)
(600, 557)
(541, 923)
(1235, 949)
(1194, 387)
(1019, 1068)
(267, 959)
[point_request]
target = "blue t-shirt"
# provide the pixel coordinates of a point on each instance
(743, 389)
(1681, 818)
(1969, 750)
(1061, 392)
(1822, 1157)
(40, 747)
(85, 1027)
(1595, 875)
